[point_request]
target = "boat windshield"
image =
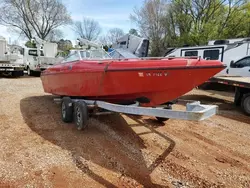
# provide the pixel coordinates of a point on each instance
(94, 54)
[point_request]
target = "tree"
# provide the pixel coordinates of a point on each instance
(88, 29)
(113, 34)
(198, 21)
(236, 19)
(64, 45)
(149, 19)
(193, 22)
(103, 40)
(34, 18)
(106, 47)
(29, 44)
(134, 32)
(54, 35)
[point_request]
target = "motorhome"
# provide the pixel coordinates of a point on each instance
(235, 53)
(11, 59)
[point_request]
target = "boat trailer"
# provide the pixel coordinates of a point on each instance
(79, 110)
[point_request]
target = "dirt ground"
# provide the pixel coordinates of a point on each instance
(38, 150)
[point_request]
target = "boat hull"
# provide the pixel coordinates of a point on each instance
(151, 85)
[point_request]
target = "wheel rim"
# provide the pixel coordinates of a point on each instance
(63, 110)
(78, 116)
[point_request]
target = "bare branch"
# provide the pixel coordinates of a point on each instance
(88, 29)
(114, 34)
(34, 17)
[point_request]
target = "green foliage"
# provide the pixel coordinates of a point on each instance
(191, 22)
(134, 32)
(29, 44)
(106, 47)
(64, 45)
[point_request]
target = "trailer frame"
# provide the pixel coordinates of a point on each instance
(72, 108)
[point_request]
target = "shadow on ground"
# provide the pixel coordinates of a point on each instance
(109, 141)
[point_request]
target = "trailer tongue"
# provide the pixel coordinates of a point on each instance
(79, 110)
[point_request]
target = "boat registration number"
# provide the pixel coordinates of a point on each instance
(157, 74)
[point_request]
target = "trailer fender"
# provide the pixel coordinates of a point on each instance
(238, 96)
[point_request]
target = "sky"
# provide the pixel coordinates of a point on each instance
(109, 14)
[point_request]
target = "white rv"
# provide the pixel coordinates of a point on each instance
(40, 58)
(235, 53)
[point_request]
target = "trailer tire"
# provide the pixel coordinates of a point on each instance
(29, 72)
(245, 104)
(237, 97)
(81, 115)
(161, 119)
(67, 110)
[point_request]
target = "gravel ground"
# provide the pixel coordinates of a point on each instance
(39, 150)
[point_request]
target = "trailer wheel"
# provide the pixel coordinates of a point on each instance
(29, 72)
(81, 115)
(161, 119)
(67, 110)
(245, 104)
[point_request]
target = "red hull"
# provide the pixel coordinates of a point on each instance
(117, 81)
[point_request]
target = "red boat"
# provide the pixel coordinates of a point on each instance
(93, 75)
